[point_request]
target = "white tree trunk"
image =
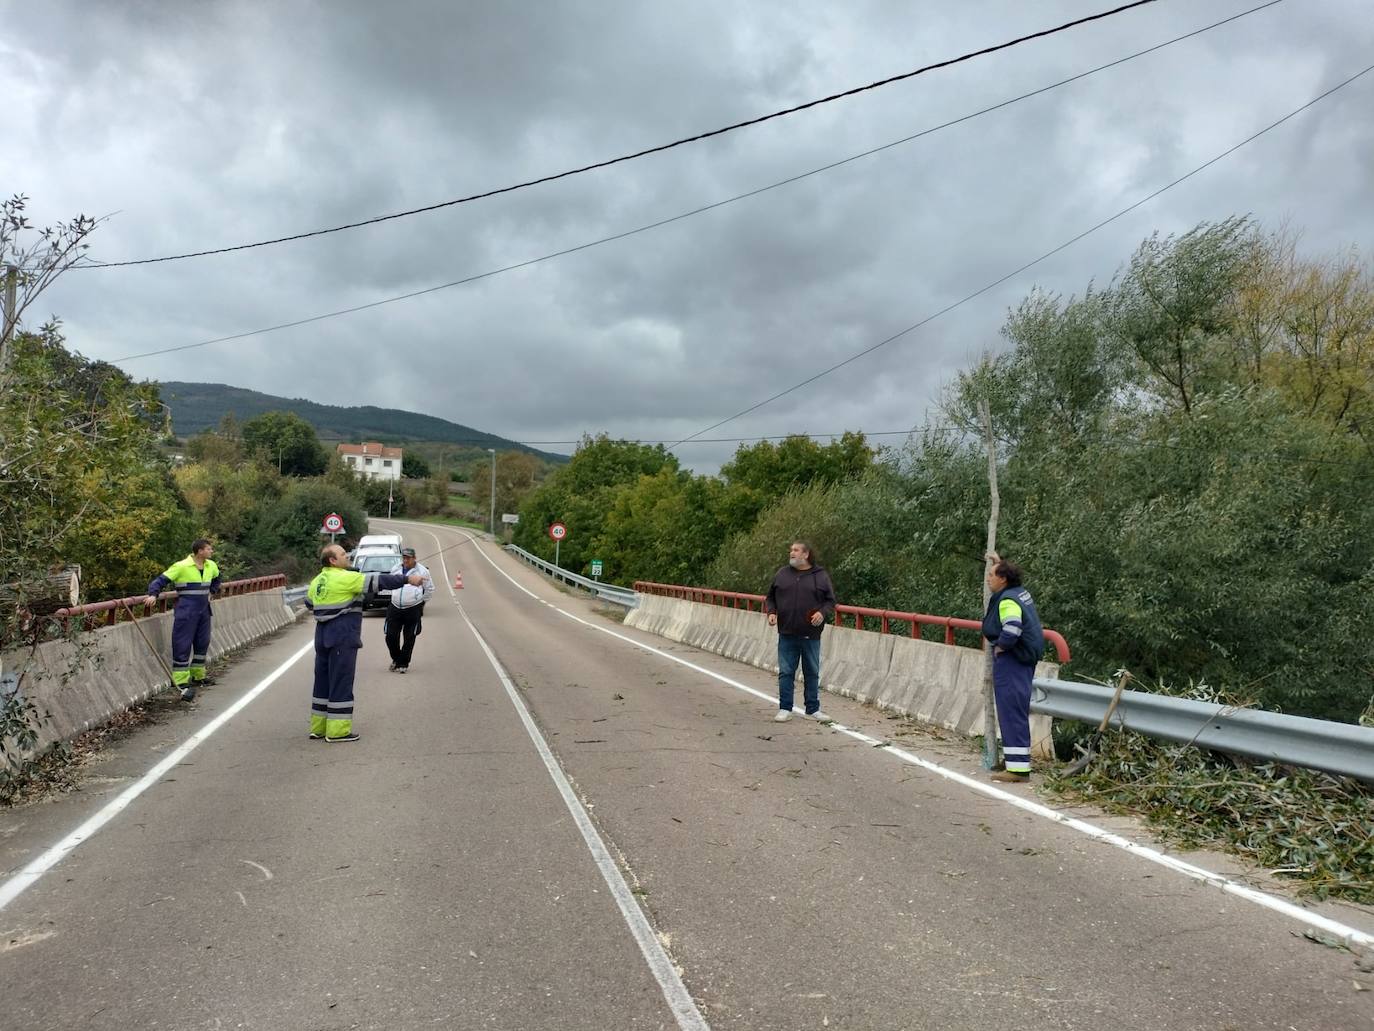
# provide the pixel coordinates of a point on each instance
(990, 751)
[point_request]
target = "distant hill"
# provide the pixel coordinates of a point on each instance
(200, 406)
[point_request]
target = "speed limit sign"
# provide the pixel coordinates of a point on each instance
(558, 531)
(333, 523)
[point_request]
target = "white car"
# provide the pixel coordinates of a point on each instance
(376, 560)
(389, 541)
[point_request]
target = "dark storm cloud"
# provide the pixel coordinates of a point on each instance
(207, 125)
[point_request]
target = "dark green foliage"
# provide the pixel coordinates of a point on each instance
(1181, 505)
(81, 479)
(286, 440)
(580, 496)
(1176, 301)
(664, 526)
(289, 529)
(517, 474)
(1180, 511)
(761, 474)
(1216, 551)
(19, 723)
(413, 467)
(377, 496)
(632, 507)
(842, 522)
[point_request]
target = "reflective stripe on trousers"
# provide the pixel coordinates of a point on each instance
(1011, 686)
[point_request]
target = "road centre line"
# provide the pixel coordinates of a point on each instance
(675, 993)
(1349, 935)
(20, 882)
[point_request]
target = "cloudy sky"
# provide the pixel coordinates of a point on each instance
(196, 126)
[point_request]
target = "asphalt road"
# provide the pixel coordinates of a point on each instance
(442, 872)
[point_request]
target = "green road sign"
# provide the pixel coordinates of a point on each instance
(596, 567)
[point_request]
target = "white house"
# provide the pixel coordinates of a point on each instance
(372, 460)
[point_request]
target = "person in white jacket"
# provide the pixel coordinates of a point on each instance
(406, 611)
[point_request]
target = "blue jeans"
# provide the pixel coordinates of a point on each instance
(806, 650)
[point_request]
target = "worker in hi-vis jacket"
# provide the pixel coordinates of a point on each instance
(335, 597)
(195, 578)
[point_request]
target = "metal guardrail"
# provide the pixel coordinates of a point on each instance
(607, 592)
(1344, 749)
(883, 617)
(294, 595)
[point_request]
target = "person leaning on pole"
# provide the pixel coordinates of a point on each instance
(195, 578)
(335, 597)
(1012, 627)
(800, 601)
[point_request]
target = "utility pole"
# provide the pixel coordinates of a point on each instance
(492, 451)
(11, 322)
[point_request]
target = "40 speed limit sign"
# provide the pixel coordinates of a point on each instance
(558, 531)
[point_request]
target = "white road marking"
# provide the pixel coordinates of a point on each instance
(675, 993)
(1348, 934)
(25, 878)
(265, 872)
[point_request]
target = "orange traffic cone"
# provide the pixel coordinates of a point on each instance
(458, 581)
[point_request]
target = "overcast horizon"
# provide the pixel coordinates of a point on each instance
(200, 127)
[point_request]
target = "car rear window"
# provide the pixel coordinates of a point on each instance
(376, 563)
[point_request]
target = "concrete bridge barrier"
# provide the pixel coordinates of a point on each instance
(82, 682)
(937, 684)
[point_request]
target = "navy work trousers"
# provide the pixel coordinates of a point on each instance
(1011, 688)
(190, 644)
(336, 658)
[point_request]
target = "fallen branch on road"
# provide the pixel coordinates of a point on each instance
(1311, 827)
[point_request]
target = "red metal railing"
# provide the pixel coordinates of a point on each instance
(109, 613)
(884, 617)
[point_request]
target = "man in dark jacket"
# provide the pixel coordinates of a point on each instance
(800, 602)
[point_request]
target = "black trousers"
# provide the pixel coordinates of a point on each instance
(402, 627)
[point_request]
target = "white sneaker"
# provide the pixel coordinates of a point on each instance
(783, 716)
(819, 716)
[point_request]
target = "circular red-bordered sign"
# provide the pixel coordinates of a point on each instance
(333, 523)
(558, 531)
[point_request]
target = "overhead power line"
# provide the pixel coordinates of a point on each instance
(639, 153)
(1028, 265)
(660, 223)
